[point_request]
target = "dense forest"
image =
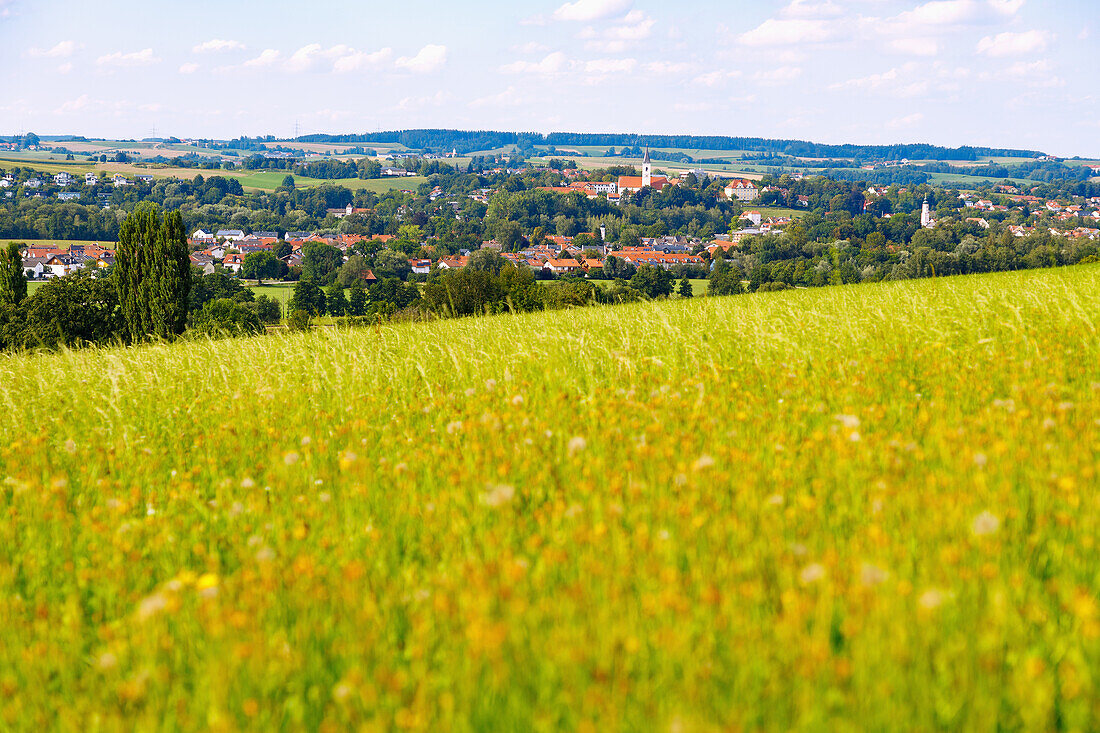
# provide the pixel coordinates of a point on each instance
(465, 141)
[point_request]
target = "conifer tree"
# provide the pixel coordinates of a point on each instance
(152, 273)
(13, 283)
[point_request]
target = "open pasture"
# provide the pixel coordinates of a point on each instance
(866, 507)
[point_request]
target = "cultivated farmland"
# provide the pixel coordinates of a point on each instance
(783, 511)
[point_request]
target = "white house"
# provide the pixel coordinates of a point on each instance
(33, 183)
(742, 190)
(62, 179)
(753, 216)
(119, 180)
(34, 267)
(231, 235)
(91, 179)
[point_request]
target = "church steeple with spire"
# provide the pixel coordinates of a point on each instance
(647, 169)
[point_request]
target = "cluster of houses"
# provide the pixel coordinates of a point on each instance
(41, 262)
(67, 181)
(738, 189)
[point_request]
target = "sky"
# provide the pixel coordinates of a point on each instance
(999, 73)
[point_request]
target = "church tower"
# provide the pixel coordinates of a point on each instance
(925, 215)
(647, 169)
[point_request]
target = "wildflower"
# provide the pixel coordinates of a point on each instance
(980, 459)
(151, 605)
(247, 483)
(812, 573)
(291, 458)
(774, 500)
(576, 445)
(498, 495)
(702, 462)
(871, 575)
(985, 524)
(70, 446)
(930, 600)
(207, 585)
(306, 440)
(454, 426)
(517, 400)
(106, 661)
(849, 421)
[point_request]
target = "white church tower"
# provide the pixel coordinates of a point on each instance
(926, 215)
(647, 169)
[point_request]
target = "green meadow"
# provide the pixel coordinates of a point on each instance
(867, 507)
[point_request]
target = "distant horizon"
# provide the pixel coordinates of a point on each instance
(53, 136)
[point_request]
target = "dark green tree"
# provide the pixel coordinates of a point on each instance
(259, 265)
(13, 283)
(225, 317)
(320, 262)
(71, 311)
(308, 297)
(152, 273)
(654, 282)
(685, 290)
(335, 301)
(357, 301)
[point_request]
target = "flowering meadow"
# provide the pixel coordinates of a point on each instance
(867, 507)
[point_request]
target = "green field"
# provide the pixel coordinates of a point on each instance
(855, 508)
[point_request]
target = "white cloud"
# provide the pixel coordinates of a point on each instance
(714, 78)
(874, 81)
(669, 67)
(811, 9)
(553, 63)
(781, 75)
(510, 97)
(636, 26)
(1013, 44)
(610, 66)
(901, 123)
(143, 57)
(74, 105)
(218, 44)
(941, 12)
(189, 68)
(586, 10)
(430, 58)
(302, 59)
(796, 31)
(359, 60)
(915, 46)
(530, 47)
(62, 50)
(1006, 7)
(65, 68)
(438, 99)
(266, 58)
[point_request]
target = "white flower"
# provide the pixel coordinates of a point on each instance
(247, 483)
(577, 444)
(930, 600)
(812, 573)
(151, 606)
(848, 421)
(291, 458)
(703, 461)
(872, 575)
(454, 426)
(985, 524)
(498, 495)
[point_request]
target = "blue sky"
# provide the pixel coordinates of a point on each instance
(1004, 73)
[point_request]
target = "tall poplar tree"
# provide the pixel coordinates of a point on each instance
(152, 273)
(13, 283)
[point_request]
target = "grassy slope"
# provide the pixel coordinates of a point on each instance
(753, 512)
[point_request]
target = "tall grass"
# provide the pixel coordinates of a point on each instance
(867, 507)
